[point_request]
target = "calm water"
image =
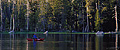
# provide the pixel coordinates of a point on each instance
(60, 42)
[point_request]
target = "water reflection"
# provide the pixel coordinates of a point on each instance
(99, 42)
(116, 42)
(1, 41)
(87, 42)
(11, 41)
(34, 45)
(60, 42)
(27, 46)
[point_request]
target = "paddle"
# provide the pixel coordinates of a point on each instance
(38, 39)
(46, 32)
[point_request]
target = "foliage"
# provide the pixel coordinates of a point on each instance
(22, 17)
(61, 15)
(97, 21)
(34, 15)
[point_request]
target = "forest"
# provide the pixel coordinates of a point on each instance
(59, 15)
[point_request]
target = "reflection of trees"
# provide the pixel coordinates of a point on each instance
(1, 41)
(116, 42)
(60, 42)
(27, 46)
(85, 42)
(72, 42)
(16, 43)
(99, 43)
(75, 42)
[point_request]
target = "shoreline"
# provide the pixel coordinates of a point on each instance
(58, 32)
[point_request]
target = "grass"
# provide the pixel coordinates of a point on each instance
(52, 33)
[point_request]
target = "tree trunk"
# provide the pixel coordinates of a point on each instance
(13, 15)
(27, 15)
(76, 23)
(87, 27)
(44, 23)
(1, 16)
(83, 17)
(13, 23)
(116, 18)
(10, 23)
(9, 16)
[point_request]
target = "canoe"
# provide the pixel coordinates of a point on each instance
(40, 39)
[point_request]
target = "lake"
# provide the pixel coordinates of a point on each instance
(60, 42)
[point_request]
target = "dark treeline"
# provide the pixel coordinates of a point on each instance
(59, 15)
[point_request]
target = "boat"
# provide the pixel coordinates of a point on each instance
(40, 39)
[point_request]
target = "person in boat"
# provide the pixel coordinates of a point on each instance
(34, 36)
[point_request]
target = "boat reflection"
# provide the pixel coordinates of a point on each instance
(34, 45)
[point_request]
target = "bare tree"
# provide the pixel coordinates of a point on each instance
(27, 15)
(116, 17)
(87, 26)
(87, 9)
(13, 15)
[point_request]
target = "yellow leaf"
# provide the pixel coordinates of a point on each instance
(104, 9)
